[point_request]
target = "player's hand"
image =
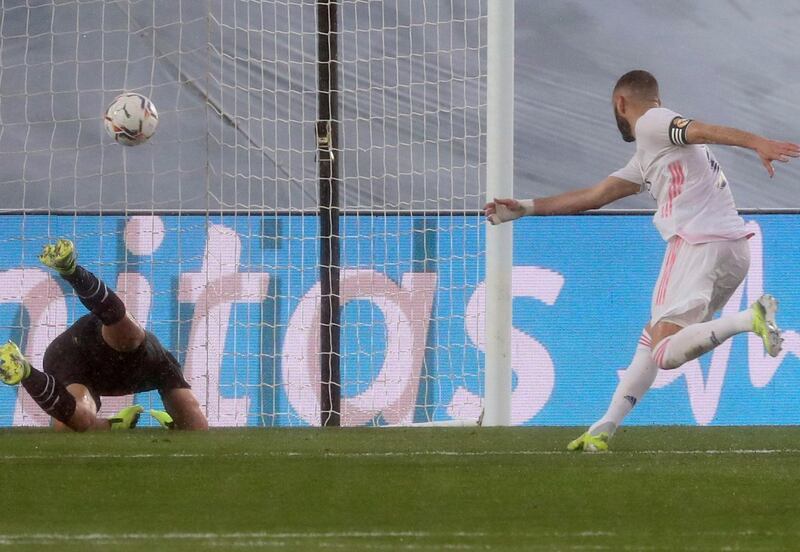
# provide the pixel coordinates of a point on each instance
(503, 210)
(771, 150)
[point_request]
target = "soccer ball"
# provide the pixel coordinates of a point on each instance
(131, 119)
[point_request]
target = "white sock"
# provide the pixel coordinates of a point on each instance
(697, 339)
(632, 386)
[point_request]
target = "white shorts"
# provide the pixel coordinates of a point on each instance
(697, 280)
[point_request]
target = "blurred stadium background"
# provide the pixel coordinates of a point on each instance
(726, 60)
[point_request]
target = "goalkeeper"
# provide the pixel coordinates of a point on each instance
(105, 353)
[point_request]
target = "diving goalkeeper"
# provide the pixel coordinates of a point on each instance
(104, 353)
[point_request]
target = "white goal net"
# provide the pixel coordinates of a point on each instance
(210, 232)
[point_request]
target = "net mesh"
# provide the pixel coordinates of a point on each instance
(210, 231)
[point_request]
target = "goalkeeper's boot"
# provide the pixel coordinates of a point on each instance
(60, 256)
(127, 418)
(163, 418)
(590, 443)
(764, 324)
(13, 366)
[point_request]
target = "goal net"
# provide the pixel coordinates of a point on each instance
(210, 232)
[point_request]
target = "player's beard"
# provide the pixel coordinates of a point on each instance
(624, 127)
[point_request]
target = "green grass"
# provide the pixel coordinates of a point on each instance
(388, 489)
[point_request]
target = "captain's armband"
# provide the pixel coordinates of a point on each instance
(677, 131)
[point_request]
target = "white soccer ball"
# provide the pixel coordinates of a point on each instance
(131, 119)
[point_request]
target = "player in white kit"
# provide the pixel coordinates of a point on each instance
(707, 255)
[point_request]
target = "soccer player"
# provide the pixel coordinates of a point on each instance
(707, 254)
(106, 353)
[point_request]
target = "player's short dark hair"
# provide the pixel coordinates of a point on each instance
(641, 83)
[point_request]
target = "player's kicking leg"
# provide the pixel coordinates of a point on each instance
(676, 346)
(120, 330)
(633, 384)
(72, 406)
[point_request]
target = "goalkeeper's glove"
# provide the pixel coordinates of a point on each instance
(163, 418)
(505, 210)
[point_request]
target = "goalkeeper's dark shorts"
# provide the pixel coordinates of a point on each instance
(81, 355)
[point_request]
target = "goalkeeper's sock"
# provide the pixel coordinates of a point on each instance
(633, 384)
(697, 339)
(96, 296)
(50, 394)
(43, 388)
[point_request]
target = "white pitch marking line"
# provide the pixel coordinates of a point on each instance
(390, 454)
(306, 535)
(326, 539)
(238, 535)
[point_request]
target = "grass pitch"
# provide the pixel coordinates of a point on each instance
(400, 489)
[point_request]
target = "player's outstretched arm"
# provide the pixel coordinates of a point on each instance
(569, 203)
(768, 150)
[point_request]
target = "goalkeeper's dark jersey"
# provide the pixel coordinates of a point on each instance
(81, 355)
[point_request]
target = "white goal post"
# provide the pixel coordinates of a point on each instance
(499, 184)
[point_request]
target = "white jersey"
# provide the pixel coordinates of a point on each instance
(692, 194)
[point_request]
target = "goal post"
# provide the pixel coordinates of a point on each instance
(499, 184)
(329, 176)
